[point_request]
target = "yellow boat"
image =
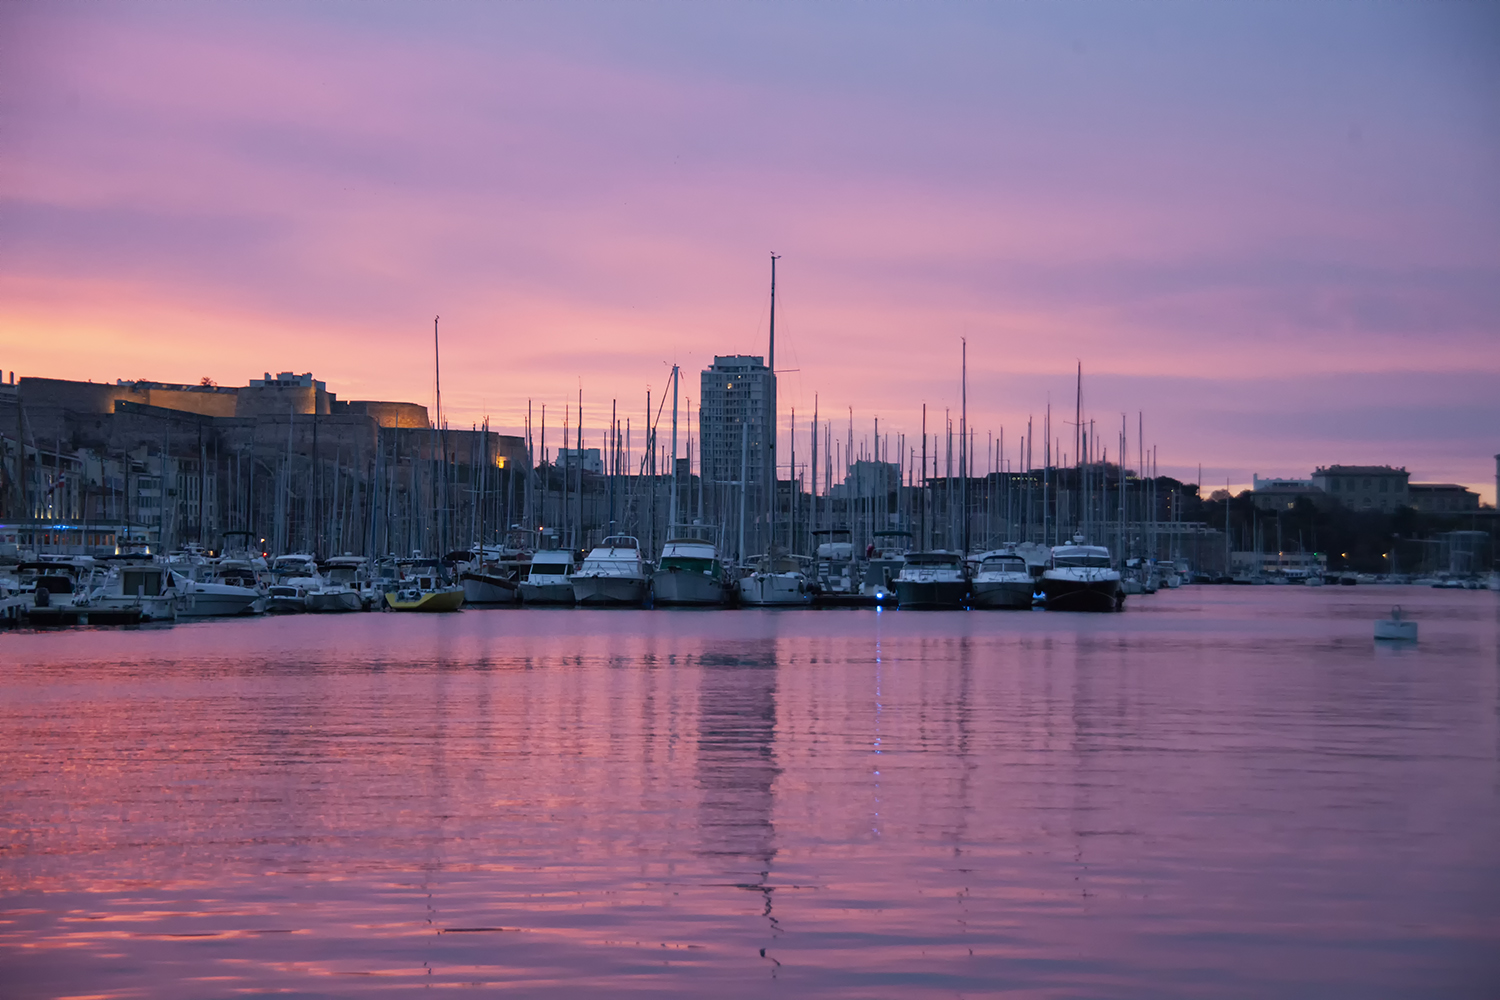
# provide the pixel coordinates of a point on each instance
(425, 595)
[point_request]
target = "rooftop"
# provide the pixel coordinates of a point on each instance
(1360, 470)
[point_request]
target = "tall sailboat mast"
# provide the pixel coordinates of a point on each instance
(672, 507)
(770, 477)
(963, 449)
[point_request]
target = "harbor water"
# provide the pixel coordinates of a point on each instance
(1223, 791)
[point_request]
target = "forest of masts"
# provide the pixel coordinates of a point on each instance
(949, 490)
(435, 491)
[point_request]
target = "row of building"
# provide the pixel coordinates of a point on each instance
(285, 459)
(1366, 488)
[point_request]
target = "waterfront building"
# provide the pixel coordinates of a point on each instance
(281, 456)
(1442, 498)
(1282, 494)
(1364, 487)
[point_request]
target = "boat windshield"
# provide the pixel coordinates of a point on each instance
(548, 569)
(1004, 564)
(687, 564)
(932, 559)
(1081, 562)
(606, 563)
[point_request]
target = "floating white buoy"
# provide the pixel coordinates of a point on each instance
(1395, 628)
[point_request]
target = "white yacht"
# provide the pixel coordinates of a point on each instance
(548, 578)
(1002, 580)
(775, 581)
(690, 571)
(295, 576)
(211, 597)
(1081, 578)
(613, 575)
(934, 580)
(140, 586)
(346, 586)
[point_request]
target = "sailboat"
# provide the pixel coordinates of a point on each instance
(690, 572)
(776, 578)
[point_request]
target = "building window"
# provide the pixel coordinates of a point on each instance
(1385, 486)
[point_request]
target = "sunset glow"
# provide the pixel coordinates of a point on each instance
(1274, 229)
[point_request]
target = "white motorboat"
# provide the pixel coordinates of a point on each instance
(547, 580)
(690, 573)
(1002, 580)
(247, 574)
(147, 588)
(210, 598)
(295, 575)
(613, 575)
(345, 586)
(934, 580)
(1081, 578)
(776, 581)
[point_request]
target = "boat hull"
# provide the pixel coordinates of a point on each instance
(286, 605)
(431, 601)
(198, 605)
(340, 600)
(484, 588)
(68, 614)
(1083, 595)
(774, 590)
(1002, 594)
(545, 593)
(609, 591)
(681, 588)
(931, 595)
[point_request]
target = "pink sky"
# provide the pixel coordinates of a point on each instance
(1275, 230)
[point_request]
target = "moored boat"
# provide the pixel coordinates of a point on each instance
(1002, 580)
(425, 591)
(547, 578)
(933, 580)
(690, 572)
(775, 581)
(1081, 578)
(491, 574)
(295, 576)
(345, 581)
(613, 575)
(211, 598)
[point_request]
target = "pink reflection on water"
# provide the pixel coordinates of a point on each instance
(1223, 792)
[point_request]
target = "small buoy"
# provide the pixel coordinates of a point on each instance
(1395, 628)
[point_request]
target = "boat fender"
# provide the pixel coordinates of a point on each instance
(43, 597)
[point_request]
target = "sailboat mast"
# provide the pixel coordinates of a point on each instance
(437, 430)
(964, 457)
(770, 479)
(672, 506)
(1078, 446)
(813, 520)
